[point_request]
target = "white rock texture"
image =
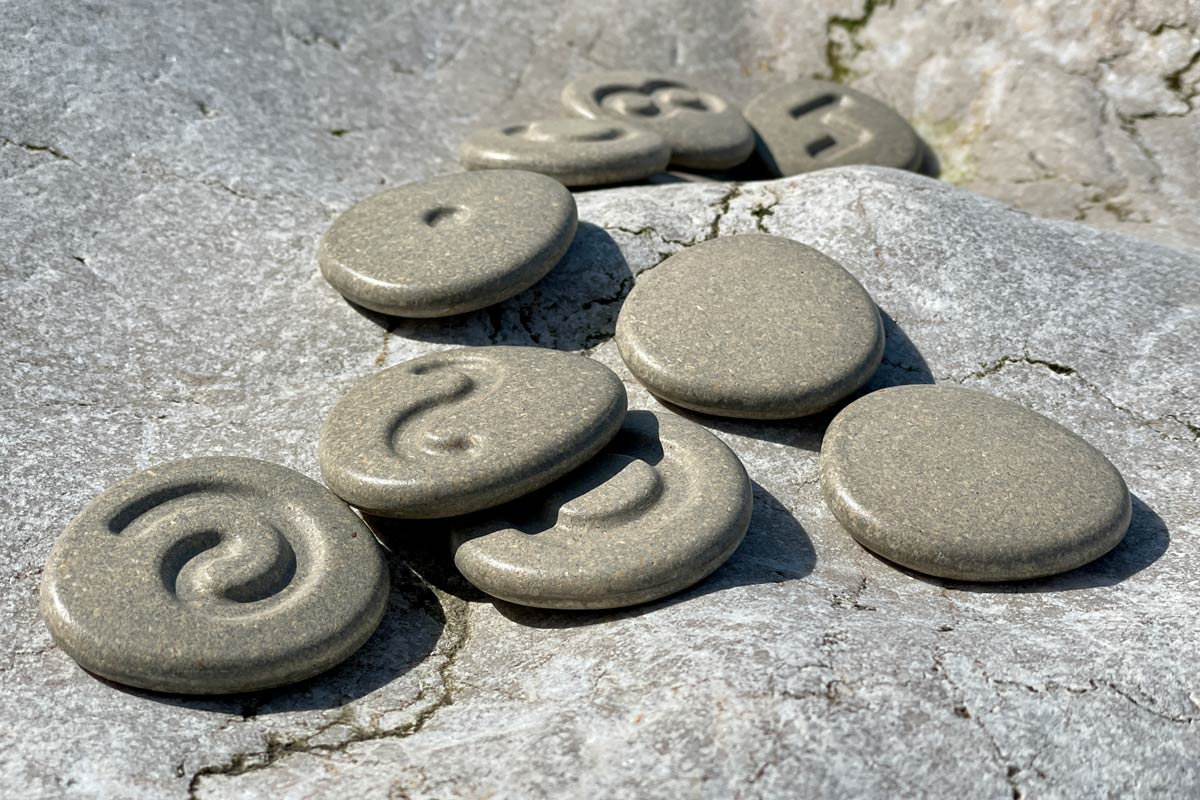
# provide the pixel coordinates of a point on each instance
(166, 172)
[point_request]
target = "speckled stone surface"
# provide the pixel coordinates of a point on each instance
(660, 508)
(960, 484)
(751, 326)
(449, 244)
(703, 129)
(213, 575)
(467, 429)
(157, 273)
(812, 124)
(574, 151)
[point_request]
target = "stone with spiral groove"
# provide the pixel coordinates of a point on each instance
(214, 575)
(466, 429)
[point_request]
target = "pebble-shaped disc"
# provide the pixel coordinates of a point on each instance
(661, 507)
(750, 326)
(811, 124)
(449, 244)
(574, 151)
(214, 575)
(466, 429)
(703, 130)
(963, 485)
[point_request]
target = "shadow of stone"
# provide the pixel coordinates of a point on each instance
(1145, 542)
(407, 634)
(573, 307)
(902, 364)
(776, 549)
(931, 165)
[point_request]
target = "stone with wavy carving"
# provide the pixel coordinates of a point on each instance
(663, 505)
(214, 575)
(466, 429)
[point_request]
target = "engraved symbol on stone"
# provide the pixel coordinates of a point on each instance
(839, 132)
(656, 98)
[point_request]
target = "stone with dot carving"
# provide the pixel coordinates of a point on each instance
(450, 244)
(703, 129)
(574, 151)
(659, 509)
(811, 124)
(214, 575)
(465, 429)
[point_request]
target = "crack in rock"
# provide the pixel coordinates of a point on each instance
(458, 630)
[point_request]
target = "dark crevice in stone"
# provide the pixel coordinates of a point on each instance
(836, 59)
(38, 149)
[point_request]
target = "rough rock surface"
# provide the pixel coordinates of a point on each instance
(165, 173)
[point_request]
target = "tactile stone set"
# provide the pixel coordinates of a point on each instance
(214, 575)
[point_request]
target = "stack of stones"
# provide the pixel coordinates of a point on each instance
(225, 574)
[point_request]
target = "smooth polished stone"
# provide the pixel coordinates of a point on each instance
(466, 429)
(703, 129)
(964, 485)
(573, 151)
(750, 326)
(214, 575)
(811, 124)
(449, 244)
(660, 508)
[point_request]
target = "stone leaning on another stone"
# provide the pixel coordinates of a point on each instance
(576, 152)
(703, 129)
(458, 431)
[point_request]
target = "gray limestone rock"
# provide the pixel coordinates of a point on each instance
(467, 429)
(660, 508)
(449, 244)
(577, 152)
(703, 129)
(811, 124)
(160, 297)
(752, 326)
(960, 484)
(213, 575)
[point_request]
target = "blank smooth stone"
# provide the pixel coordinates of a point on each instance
(963, 485)
(662, 506)
(465, 429)
(214, 575)
(750, 326)
(811, 124)
(703, 130)
(576, 152)
(449, 244)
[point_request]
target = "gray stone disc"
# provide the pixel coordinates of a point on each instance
(466, 429)
(811, 124)
(659, 509)
(576, 152)
(703, 129)
(214, 575)
(750, 326)
(449, 244)
(960, 484)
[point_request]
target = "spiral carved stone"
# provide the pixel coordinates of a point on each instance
(213, 575)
